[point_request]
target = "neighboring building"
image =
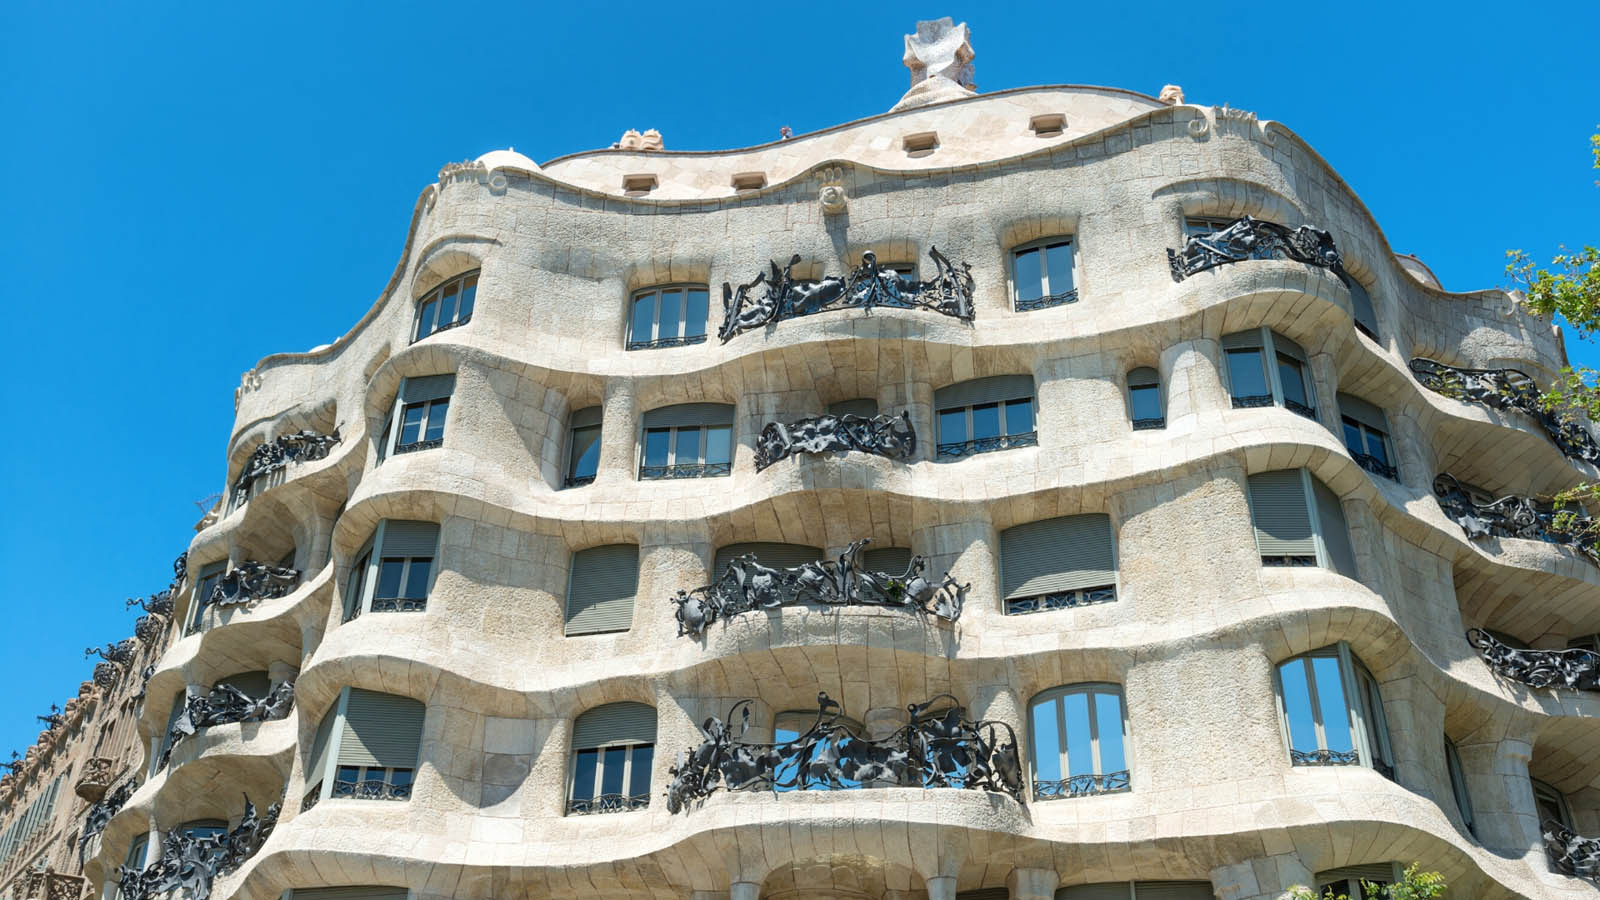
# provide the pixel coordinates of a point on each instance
(1143, 377)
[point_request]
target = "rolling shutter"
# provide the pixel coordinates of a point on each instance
(601, 590)
(1361, 305)
(428, 387)
(1288, 348)
(866, 407)
(998, 893)
(380, 730)
(771, 555)
(349, 893)
(1335, 534)
(317, 762)
(589, 415)
(888, 560)
(1363, 412)
(1107, 890)
(254, 684)
(1242, 340)
(1278, 511)
(402, 538)
(995, 389)
(1370, 871)
(689, 414)
(1054, 555)
(615, 723)
(1144, 376)
(1172, 890)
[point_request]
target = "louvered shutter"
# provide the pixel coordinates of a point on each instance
(999, 893)
(589, 415)
(317, 762)
(1363, 412)
(689, 414)
(1278, 510)
(1144, 376)
(615, 723)
(866, 407)
(1172, 890)
(888, 560)
(380, 730)
(349, 893)
(1242, 340)
(1335, 534)
(1361, 305)
(1053, 555)
(995, 389)
(254, 684)
(1106, 890)
(771, 555)
(403, 538)
(1288, 348)
(1370, 871)
(427, 387)
(601, 589)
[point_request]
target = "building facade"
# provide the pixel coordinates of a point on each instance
(1199, 556)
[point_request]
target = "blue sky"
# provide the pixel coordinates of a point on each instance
(191, 187)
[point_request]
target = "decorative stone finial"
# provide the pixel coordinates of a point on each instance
(633, 140)
(940, 57)
(1172, 95)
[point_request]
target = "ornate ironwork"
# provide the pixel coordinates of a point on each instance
(607, 803)
(573, 481)
(191, 864)
(938, 748)
(369, 789)
(1254, 401)
(278, 453)
(687, 340)
(1061, 600)
(1504, 389)
(144, 679)
(106, 675)
(157, 604)
(1296, 406)
(1250, 238)
(1149, 424)
(1048, 300)
(94, 821)
(399, 604)
(1324, 757)
(1516, 517)
(54, 718)
(1082, 786)
(148, 628)
(1571, 853)
(223, 705)
(120, 653)
(414, 446)
(686, 470)
(251, 582)
(961, 449)
(1576, 668)
(887, 436)
(868, 286)
(48, 884)
(746, 585)
(1375, 465)
(15, 764)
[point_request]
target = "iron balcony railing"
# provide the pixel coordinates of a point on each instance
(964, 449)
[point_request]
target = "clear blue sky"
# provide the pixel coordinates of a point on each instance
(190, 188)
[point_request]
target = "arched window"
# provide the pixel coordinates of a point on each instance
(1079, 736)
(1299, 522)
(613, 747)
(1332, 711)
(135, 860)
(601, 588)
(1146, 406)
(1265, 368)
(1458, 785)
(689, 440)
(416, 422)
(447, 306)
(1057, 564)
(1366, 436)
(1350, 881)
(1042, 274)
(667, 316)
(399, 575)
(366, 748)
(583, 447)
(984, 415)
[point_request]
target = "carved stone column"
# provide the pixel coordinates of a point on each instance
(1033, 884)
(1191, 381)
(1263, 878)
(915, 398)
(744, 890)
(619, 426)
(1325, 376)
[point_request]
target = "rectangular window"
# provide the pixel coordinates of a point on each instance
(403, 573)
(1057, 564)
(670, 316)
(1198, 225)
(447, 306)
(206, 581)
(985, 415)
(1247, 378)
(419, 415)
(1079, 743)
(379, 737)
(1042, 274)
(1458, 785)
(1267, 369)
(601, 589)
(583, 461)
(611, 779)
(1292, 375)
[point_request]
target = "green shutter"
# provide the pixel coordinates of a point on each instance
(601, 589)
(317, 762)
(427, 387)
(888, 560)
(371, 892)
(380, 730)
(771, 555)
(254, 684)
(1053, 555)
(689, 414)
(1363, 412)
(615, 723)
(1105, 890)
(1172, 890)
(866, 407)
(404, 538)
(1335, 534)
(995, 389)
(1278, 510)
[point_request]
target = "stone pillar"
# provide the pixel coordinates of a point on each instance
(1191, 381)
(1032, 884)
(619, 426)
(1263, 878)
(915, 399)
(1079, 400)
(744, 890)
(708, 895)
(278, 670)
(1496, 773)
(1325, 378)
(941, 887)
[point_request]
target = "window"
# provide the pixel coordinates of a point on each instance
(601, 589)
(447, 306)
(984, 415)
(1041, 274)
(668, 316)
(690, 440)
(419, 411)
(583, 449)
(1299, 522)
(749, 181)
(180, 703)
(1458, 785)
(613, 747)
(36, 819)
(1366, 318)
(138, 849)
(1194, 226)
(1352, 881)
(923, 143)
(1366, 436)
(1144, 399)
(1286, 382)
(398, 577)
(788, 727)
(1589, 642)
(365, 748)
(1047, 125)
(1057, 564)
(1138, 890)
(1551, 804)
(256, 685)
(1079, 736)
(771, 555)
(1332, 711)
(206, 828)
(889, 560)
(206, 581)
(639, 184)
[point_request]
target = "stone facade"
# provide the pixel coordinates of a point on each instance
(1193, 638)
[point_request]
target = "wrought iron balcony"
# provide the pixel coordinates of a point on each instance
(1516, 517)
(414, 446)
(1375, 465)
(964, 449)
(938, 748)
(573, 481)
(1149, 424)
(1252, 401)
(1048, 300)
(1571, 853)
(189, 865)
(1503, 389)
(1309, 412)
(100, 813)
(399, 604)
(1577, 669)
(1324, 757)
(1250, 238)
(1288, 562)
(278, 453)
(370, 789)
(226, 704)
(445, 327)
(686, 470)
(1082, 786)
(687, 340)
(47, 884)
(1061, 600)
(608, 803)
(747, 585)
(251, 582)
(888, 436)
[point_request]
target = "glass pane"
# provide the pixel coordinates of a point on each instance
(952, 426)
(1058, 267)
(583, 774)
(1331, 700)
(985, 421)
(611, 772)
(585, 460)
(469, 296)
(417, 578)
(719, 444)
(1019, 416)
(411, 424)
(390, 571)
(347, 775)
(1108, 716)
(1375, 447)
(694, 314)
(1377, 723)
(671, 318)
(400, 778)
(1080, 756)
(1352, 437)
(1294, 383)
(425, 318)
(1245, 374)
(436, 411)
(785, 770)
(447, 303)
(1146, 402)
(644, 314)
(1297, 706)
(656, 443)
(358, 578)
(686, 447)
(1046, 742)
(1030, 278)
(639, 771)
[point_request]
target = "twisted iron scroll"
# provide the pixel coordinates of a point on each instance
(1571, 853)
(191, 864)
(1516, 517)
(1577, 668)
(278, 453)
(1250, 238)
(938, 748)
(1504, 389)
(887, 436)
(223, 705)
(252, 581)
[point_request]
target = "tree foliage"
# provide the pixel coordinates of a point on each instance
(1571, 284)
(1413, 885)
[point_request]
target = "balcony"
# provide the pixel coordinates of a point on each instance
(684, 470)
(1575, 669)
(414, 446)
(95, 779)
(1060, 298)
(964, 449)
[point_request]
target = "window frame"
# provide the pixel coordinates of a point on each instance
(1128, 387)
(389, 442)
(372, 556)
(1197, 225)
(1324, 556)
(972, 446)
(1272, 357)
(570, 478)
(200, 595)
(1457, 776)
(1099, 777)
(423, 442)
(1047, 298)
(678, 338)
(673, 469)
(320, 786)
(1548, 792)
(436, 296)
(1354, 678)
(592, 804)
